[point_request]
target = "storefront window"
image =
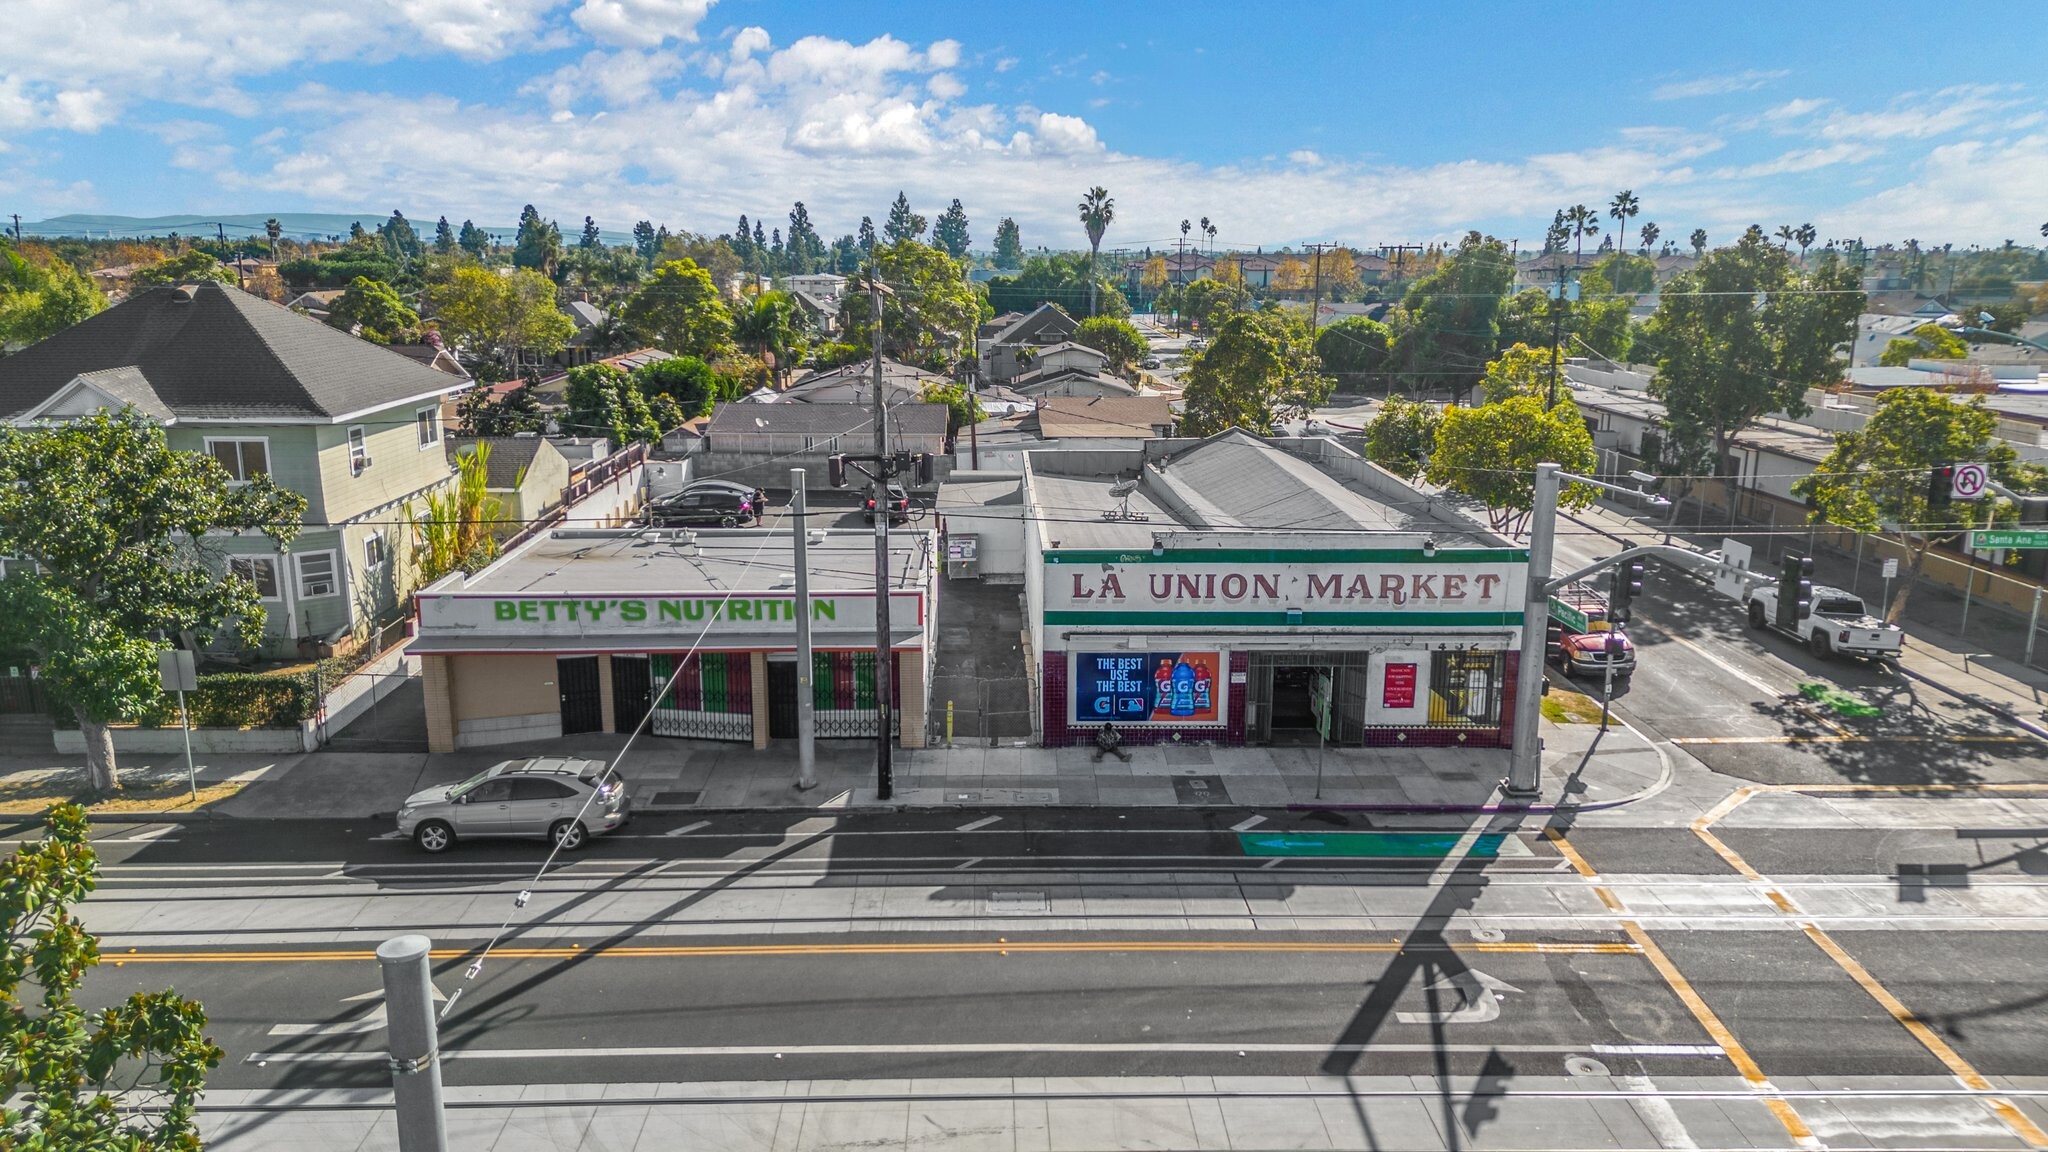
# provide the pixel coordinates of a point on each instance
(712, 699)
(1465, 688)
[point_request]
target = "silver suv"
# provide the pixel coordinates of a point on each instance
(565, 800)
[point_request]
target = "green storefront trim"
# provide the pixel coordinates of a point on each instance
(1292, 556)
(1281, 619)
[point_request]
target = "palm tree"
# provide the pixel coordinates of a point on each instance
(1097, 210)
(1584, 222)
(2044, 229)
(1806, 234)
(1787, 233)
(1211, 230)
(1650, 234)
(273, 229)
(1621, 208)
(1206, 230)
(1699, 242)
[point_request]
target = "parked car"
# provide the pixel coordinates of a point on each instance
(1149, 362)
(899, 506)
(1580, 634)
(556, 798)
(712, 504)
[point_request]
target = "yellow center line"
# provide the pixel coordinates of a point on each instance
(934, 948)
(1682, 988)
(2021, 1125)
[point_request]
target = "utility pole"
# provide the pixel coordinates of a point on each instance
(222, 231)
(806, 720)
(1180, 257)
(1557, 307)
(1400, 252)
(415, 1061)
(885, 648)
(1316, 301)
(1525, 766)
(17, 228)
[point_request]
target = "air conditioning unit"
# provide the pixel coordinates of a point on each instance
(360, 466)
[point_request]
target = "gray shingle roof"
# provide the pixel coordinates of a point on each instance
(510, 455)
(823, 419)
(210, 351)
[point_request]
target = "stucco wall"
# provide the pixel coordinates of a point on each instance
(503, 685)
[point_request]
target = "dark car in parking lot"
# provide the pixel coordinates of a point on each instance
(711, 504)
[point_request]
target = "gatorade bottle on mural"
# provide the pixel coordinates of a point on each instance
(1162, 684)
(1201, 685)
(1183, 689)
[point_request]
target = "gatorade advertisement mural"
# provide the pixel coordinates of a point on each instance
(1148, 687)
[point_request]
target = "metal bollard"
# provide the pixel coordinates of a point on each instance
(415, 1058)
(949, 722)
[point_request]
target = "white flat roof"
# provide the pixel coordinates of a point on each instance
(635, 561)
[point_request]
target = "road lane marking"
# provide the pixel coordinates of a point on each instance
(976, 825)
(1248, 824)
(1847, 739)
(1964, 1072)
(1681, 987)
(686, 829)
(771, 1050)
(905, 948)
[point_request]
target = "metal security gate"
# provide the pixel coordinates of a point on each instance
(632, 692)
(843, 695)
(20, 691)
(712, 699)
(582, 698)
(782, 699)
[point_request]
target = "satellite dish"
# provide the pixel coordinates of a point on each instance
(1123, 488)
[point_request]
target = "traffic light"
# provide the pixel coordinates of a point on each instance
(1795, 589)
(1623, 585)
(836, 469)
(1941, 481)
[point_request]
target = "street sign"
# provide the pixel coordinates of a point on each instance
(2006, 538)
(1969, 481)
(1568, 616)
(1319, 703)
(1731, 575)
(1891, 567)
(174, 667)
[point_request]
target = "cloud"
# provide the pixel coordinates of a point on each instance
(1720, 85)
(1980, 190)
(747, 41)
(1800, 160)
(641, 23)
(1920, 116)
(945, 86)
(1006, 63)
(1305, 156)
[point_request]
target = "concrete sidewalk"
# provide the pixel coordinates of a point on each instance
(1580, 770)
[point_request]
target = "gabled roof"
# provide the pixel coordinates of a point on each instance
(1070, 346)
(1041, 378)
(1040, 319)
(1124, 417)
(854, 383)
(208, 351)
(584, 314)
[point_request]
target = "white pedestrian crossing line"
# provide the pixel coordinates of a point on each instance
(977, 825)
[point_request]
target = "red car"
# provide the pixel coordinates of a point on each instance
(899, 506)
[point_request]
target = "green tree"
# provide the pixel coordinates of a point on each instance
(1928, 342)
(1650, 233)
(1116, 338)
(591, 239)
(1620, 210)
(1455, 314)
(604, 401)
(930, 313)
(458, 527)
(768, 326)
(806, 247)
(680, 310)
(400, 240)
(482, 413)
(1061, 278)
(1620, 274)
(41, 295)
(1518, 371)
(115, 523)
(1402, 435)
(1698, 240)
(950, 233)
(1009, 245)
(473, 240)
(374, 311)
(489, 317)
(1490, 453)
(1742, 334)
(1583, 222)
(273, 230)
(903, 224)
(1355, 350)
(190, 268)
(645, 244)
(686, 380)
(962, 407)
(444, 237)
(1259, 368)
(1875, 479)
(1097, 211)
(538, 245)
(66, 1066)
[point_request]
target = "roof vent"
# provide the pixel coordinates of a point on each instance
(185, 293)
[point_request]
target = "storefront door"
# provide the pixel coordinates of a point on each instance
(582, 699)
(781, 699)
(632, 692)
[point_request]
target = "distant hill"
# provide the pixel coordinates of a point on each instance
(297, 226)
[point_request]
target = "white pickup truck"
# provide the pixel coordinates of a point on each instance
(1836, 623)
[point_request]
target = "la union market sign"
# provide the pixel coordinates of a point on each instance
(1352, 588)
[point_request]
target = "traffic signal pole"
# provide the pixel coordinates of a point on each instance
(1525, 763)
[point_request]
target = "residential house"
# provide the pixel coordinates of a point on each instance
(550, 389)
(1062, 423)
(1006, 349)
(316, 303)
(590, 321)
(826, 286)
(1070, 369)
(820, 313)
(855, 383)
(352, 426)
(527, 474)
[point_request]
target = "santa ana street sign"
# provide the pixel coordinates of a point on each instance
(2008, 538)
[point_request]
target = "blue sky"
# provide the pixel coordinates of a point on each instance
(1365, 122)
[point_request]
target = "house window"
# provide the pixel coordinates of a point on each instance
(244, 459)
(428, 421)
(316, 574)
(358, 451)
(258, 570)
(375, 552)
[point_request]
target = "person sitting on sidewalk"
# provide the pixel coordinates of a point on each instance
(1107, 741)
